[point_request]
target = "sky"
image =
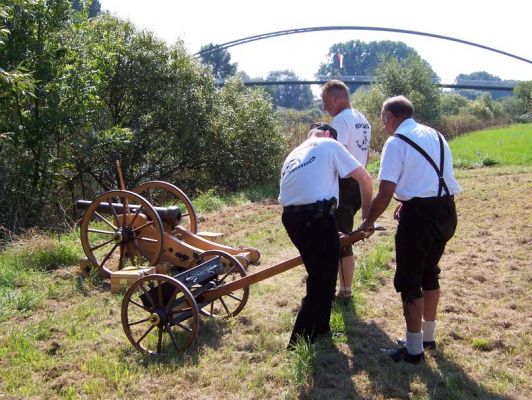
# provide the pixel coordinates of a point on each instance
(503, 25)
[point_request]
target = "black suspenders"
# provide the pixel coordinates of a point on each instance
(439, 171)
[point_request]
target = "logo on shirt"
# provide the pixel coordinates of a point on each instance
(363, 144)
(294, 165)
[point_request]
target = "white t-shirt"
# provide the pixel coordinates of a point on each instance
(310, 172)
(354, 132)
(405, 166)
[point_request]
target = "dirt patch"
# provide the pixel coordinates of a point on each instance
(485, 320)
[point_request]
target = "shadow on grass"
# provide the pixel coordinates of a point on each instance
(209, 335)
(368, 373)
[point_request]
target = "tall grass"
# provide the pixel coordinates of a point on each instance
(371, 267)
(301, 359)
(24, 271)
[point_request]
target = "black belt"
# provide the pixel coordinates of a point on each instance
(427, 200)
(320, 206)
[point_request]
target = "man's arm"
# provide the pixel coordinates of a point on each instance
(366, 188)
(379, 204)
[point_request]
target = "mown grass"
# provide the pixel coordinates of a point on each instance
(213, 199)
(510, 145)
(64, 338)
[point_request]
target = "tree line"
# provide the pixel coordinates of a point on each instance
(351, 58)
(79, 92)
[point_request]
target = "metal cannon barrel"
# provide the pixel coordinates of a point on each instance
(168, 215)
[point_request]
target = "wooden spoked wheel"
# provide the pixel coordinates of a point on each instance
(120, 229)
(232, 303)
(159, 315)
(164, 194)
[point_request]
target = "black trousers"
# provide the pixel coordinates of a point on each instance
(316, 237)
(349, 203)
(425, 227)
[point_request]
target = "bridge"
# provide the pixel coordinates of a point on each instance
(478, 85)
(285, 32)
(367, 80)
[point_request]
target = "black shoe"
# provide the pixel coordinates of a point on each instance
(343, 299)
(426, 345)
(401, 353)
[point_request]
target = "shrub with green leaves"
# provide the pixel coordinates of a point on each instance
(108, 91)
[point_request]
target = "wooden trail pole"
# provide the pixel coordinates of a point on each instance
(261, 275)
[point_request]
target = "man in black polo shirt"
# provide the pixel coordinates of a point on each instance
(308, 193)
(417, 166)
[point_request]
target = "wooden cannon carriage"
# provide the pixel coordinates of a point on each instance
(160, 313)
(153, 224)
(156, 223)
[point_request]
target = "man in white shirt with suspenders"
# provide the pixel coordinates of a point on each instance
(416, 166)
(308, 193)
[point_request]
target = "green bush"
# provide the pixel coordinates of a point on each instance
(108, 91)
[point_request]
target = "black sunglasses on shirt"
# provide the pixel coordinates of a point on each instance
(322, 126)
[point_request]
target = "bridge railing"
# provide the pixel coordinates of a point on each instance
(367, 80)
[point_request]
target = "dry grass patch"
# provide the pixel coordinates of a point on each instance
(72, 345)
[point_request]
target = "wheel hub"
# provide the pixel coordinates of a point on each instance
(155, 319)
(117, 236)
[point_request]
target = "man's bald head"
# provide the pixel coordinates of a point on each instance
(335, 97)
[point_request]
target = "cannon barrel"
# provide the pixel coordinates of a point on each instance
(168, 215)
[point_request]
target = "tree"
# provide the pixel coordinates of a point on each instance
(411, 77)
(298, 97)
(17, 79)
(106, 91)
(414, 78)
(219, 61)
(94, 7)
(523, 91)
(31, 155)
(357, 58)
(249, 142)
(452, 103)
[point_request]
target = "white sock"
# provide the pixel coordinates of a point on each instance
(414, 343)
(345, 289)
(429, 331)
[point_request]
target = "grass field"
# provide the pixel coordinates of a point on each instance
(502, 146)
(61, 336)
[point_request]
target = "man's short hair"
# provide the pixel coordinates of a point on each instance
(335, 87)
(322, 126)
(399, 106)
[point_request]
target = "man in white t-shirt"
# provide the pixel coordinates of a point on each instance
(354, 132)
(308, 193)
(417, 166)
